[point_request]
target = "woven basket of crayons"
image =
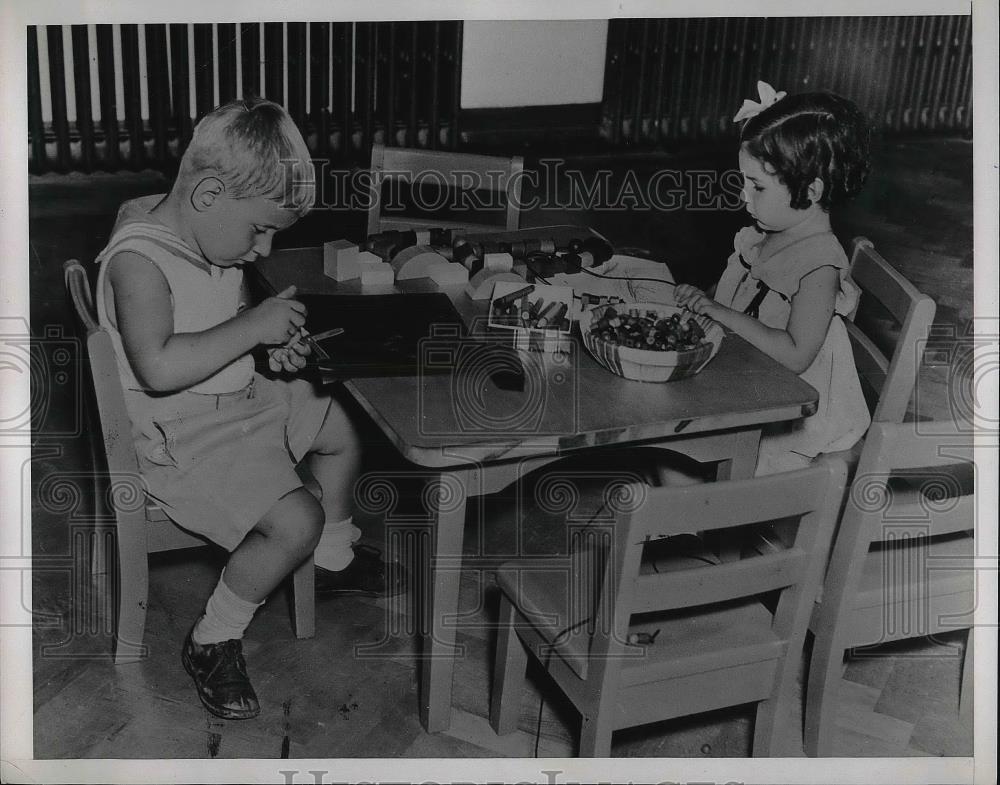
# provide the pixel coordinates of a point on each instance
(650, 342)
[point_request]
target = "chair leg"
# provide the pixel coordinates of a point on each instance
(821, 695)
(779, 707)
(99, 562)
(965, 700)
(101, 545)
(768, 727)
(509, 667)
(304, 600)
(595, 735)
(133, 591)
(774, 713)
(764, 729)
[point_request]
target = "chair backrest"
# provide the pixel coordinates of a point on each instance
(914, 489)
(811, 496)
(918, 475)
(116, 428)
(455, 172)
(886, 350)
(160, 533)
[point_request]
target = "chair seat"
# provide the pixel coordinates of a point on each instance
(850, 456)
(696, 640)
(540, 589)
(155, 513)
(162, 534)
(701, 640)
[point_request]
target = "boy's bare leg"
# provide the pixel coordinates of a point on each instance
(342, 569)
(335, 462)
(285, 536)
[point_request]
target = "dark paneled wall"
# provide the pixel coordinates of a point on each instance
(345, 84)
(127, 96)
(684, 79)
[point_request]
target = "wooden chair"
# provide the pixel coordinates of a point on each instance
(901, 564)
(457, 171)
(718, 644)
(140, 528)
(891, 320)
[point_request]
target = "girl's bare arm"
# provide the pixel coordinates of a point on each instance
(797, 345)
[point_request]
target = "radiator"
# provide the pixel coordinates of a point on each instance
(111, 97)
(116, 97)
(684, 79)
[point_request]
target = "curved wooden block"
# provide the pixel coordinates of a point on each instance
(480, 286)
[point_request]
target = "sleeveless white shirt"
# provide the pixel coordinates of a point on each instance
(200, 299)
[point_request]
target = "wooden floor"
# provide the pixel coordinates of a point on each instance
(351, 691)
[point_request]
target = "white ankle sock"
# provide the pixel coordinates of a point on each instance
(226, 616)
(334, 549)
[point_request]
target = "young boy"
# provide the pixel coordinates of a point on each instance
(217, 443)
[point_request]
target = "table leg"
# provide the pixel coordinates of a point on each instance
(441, 602)
(740, 466)
(743, 458)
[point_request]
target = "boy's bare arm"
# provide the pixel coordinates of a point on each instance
(164, 360)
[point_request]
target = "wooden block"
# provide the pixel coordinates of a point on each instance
(368, 259)
(413, 262)
(380, 274)
(448, 274)
(498, 262)
(340, 260)
(481, 284)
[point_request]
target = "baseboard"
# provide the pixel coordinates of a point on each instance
(529, 125)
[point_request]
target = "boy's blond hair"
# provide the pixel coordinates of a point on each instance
(255, 149)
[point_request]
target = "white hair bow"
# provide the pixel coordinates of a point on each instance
(768, 96)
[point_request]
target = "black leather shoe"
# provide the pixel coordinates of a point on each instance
(366, 575)
(220, 674)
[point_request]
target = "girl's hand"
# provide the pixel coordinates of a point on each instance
(290, 358)
(694, 299)
(277, 319)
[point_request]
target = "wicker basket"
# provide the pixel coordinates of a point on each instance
(647, 365)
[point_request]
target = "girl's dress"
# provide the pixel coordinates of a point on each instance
(763, 288)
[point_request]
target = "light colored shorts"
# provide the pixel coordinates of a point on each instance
(218, 463)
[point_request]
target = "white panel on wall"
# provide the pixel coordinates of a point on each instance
(532, 63)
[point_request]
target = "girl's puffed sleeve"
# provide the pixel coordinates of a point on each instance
(746, 245)
(783, 272)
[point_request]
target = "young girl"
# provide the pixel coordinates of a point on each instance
(787, 286)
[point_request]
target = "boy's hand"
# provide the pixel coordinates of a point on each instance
(291, 357)
(694, 299)
(278, 319)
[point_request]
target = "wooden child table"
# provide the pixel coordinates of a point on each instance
(474, 438)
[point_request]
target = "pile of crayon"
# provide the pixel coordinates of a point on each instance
(518, 309)
(649, 331)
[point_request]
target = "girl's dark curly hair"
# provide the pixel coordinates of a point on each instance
(812, 135)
